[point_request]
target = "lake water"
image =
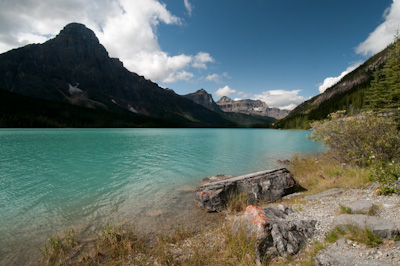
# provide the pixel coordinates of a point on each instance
(53, 179)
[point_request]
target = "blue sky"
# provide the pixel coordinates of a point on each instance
(282, 52)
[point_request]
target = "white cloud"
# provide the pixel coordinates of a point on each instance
(213, 77)
(188, 7)
(330, 81)
(181, 75)
(201, 59)
(216, 77)
(225, 91)
(126, 28)
(280, 98)
(383, 35)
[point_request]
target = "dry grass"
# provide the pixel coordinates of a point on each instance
(237, 202)
(317, 174)
(114, 246)
(354, 233)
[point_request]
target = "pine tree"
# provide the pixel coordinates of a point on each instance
(385, 87)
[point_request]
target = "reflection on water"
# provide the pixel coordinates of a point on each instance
(59, 178)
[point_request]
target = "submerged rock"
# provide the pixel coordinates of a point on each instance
(267, 186)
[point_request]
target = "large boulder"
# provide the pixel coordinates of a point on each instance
(266, 186)
(274, 231)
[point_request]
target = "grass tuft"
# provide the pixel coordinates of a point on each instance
(345, 210)
(354, 233)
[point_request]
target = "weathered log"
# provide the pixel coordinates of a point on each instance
(268, 186)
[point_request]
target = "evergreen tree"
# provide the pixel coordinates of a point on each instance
(385, 87)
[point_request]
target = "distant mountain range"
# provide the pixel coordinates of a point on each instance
(247, 106)
(75, 69)
(225, 104)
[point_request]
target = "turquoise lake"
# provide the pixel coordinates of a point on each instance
(53, 179)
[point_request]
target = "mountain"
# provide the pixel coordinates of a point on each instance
(348, 94)
(203, 98)
(255, 107)
(75, 68)
(240, 119)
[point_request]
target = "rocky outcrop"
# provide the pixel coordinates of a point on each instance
(265, 185)
(248, 106)
(203, 98)
(275, 233)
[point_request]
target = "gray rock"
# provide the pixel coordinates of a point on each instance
(267, 186)
(382, 227)
(336, 255)
(326, 193)
(276, 234)
(360, 207)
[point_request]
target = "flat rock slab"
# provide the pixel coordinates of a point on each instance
(382, 227)
(339, 254)
(267, 186)
(326, 193)
(360, 207)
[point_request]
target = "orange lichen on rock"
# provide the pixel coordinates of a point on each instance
(257, 216)
(202, 194)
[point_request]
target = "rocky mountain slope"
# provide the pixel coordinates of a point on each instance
(347, 94)
(203, 98)
(242, 119)
(75, 68)
(248, 106)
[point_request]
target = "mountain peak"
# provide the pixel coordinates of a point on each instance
(202, 91)
(77, 35)
(203, 98)
(224, 99)
(79, 30)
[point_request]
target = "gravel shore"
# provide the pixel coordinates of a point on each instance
(324, 209)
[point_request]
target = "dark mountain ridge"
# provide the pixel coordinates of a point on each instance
(347, 94)
(75, 68)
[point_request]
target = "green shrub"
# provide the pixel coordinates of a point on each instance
(358, 139)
